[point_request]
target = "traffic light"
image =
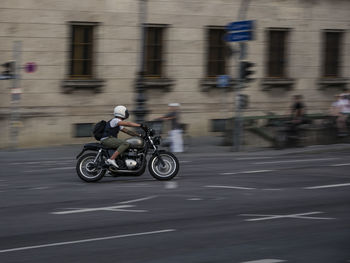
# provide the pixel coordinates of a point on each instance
(243, 101)
(9, 69)
(246, 71)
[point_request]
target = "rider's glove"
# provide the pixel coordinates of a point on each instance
(143, 126)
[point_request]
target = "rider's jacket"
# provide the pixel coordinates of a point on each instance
(112, 128)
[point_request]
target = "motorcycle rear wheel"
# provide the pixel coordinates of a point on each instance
(87, 170)
(166, 172)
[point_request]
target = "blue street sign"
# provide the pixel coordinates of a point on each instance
(4, 77)
(245, 25)
(239, 36)
(223, 81)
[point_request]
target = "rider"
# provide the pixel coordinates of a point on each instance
(109, 138)
(344, 112)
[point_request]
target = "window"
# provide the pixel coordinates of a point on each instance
(81, 55)
(80, 66)
(154, 50)
(331, 53)
(277, 53)
(83, 129)
(216, 64)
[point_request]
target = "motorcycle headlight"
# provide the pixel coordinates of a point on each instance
(156, 140)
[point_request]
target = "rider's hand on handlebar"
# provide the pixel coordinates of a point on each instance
(144, 126)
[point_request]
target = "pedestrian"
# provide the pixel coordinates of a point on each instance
(175, 133)
(337, 117)
(343, 105)
(298, 110)
(297, 114)
(336, 106)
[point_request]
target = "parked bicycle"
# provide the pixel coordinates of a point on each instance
(288, 133)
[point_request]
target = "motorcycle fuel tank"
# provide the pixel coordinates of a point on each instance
(136, 142)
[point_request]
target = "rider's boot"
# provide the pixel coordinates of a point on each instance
(112, 162)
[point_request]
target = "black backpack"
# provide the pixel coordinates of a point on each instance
(99, 129)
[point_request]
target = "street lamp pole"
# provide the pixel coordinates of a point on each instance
(140, 109)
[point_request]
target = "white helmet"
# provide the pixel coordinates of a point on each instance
(121, 112)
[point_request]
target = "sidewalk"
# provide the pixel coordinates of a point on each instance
(211, 145)
(199, 146)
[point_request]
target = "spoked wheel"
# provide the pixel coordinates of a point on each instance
(166, 171)
(87, 170)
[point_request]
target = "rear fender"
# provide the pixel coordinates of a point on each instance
(90, 147)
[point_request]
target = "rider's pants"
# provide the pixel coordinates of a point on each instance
(115, 143)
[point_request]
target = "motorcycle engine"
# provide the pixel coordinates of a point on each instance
(131, 164)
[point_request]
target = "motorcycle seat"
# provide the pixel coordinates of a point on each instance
(96, 146)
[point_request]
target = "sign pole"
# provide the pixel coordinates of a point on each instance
(223, 81)
(237, 123)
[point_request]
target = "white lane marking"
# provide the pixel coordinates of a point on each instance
(340, 164)
(300, 216)
(171, 185)
(229, 187)
(185, 161)
(257, 171)
(49, 169)
(138, 200)
(42, 162)
(40, 188)
(61, 168)
(265, 261)
(249, 172)
(299, 160)
(26, 163)
(134, 186)
(34, 171)
(195, 199)
(327, 186)
(118, 208)
(87, 240)
(252, 158)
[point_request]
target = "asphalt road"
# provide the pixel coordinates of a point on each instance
(256, 208)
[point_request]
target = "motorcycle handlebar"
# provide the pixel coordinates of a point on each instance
(145, 128)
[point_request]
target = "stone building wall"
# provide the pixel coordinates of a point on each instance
(48, 114)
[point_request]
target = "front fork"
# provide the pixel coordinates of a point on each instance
(160, 158)
(156, 152)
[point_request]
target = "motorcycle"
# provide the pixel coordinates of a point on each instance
(162, 165)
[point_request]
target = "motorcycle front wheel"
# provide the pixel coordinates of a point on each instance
(87, 170)
(163, 172)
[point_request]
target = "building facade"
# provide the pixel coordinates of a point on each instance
(88, 57)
